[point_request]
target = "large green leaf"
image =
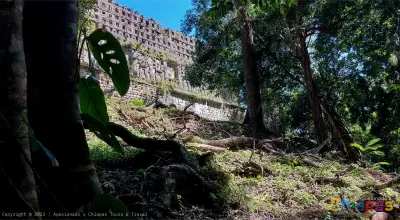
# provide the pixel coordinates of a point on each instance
(357, 146)
(102, 132)
(109, 54)
(372, 142)
(108, 204)
(378, 153)
(374, 147)
(92, 99)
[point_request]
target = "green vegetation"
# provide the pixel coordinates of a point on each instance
(137, 102)
(320, 80)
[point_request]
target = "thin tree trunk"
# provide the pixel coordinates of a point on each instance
(18, 189)
(50, 33)
(250, 74)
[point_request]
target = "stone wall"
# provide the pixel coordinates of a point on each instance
(132, 28)
(129, 25)
(208, 109)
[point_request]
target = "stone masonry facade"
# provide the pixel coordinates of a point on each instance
(129, 26)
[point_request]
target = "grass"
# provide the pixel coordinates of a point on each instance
(292, 190)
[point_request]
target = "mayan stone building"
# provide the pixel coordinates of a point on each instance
(129, 26)
(156, 54)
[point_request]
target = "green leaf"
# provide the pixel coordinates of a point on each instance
(372, 142)
(393, 60)
(378, 153)
(36, 145)
(375, 147)
(92, 99)
(384, 163)
(213, 196)
(357, 146)
(374, 115)
(108, 204)
(102, 132)
(109, 54)
(282, 10)
(53, 160)
(34, 142)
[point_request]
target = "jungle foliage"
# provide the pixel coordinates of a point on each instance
(353, 49)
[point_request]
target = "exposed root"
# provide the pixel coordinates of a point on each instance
(333, 180)
(390, 183)
(152, 144)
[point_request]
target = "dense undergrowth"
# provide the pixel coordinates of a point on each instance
(283, 189)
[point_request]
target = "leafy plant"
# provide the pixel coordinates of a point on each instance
(372, 149)
(109, 55)
(92, 99)
(137, 102)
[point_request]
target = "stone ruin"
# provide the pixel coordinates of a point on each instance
(156, 54)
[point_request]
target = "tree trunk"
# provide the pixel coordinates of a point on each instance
(50, 33)
(341, 133)
(17, 182)
(250, 74)
(339, 129)
(301, 52)
(319, 126)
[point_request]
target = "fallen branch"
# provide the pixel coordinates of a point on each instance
(205, 147)
(233, 142)
(186, 107)
(390, 183)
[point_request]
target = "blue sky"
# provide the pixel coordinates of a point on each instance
(168, 13)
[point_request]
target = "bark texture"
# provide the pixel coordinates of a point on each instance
(18, 189)
(50, 33)
(252, 83)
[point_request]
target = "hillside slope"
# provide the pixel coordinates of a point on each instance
(242, 183)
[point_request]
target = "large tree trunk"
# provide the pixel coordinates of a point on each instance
(50, 33)
(340, 131)
(301, 52)
(250, 74)
(312, 93)
(17, 182)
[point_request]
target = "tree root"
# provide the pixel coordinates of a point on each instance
(334, 180)
(390, 183)
(152, 144)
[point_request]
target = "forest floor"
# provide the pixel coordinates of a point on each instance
(228, 186)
